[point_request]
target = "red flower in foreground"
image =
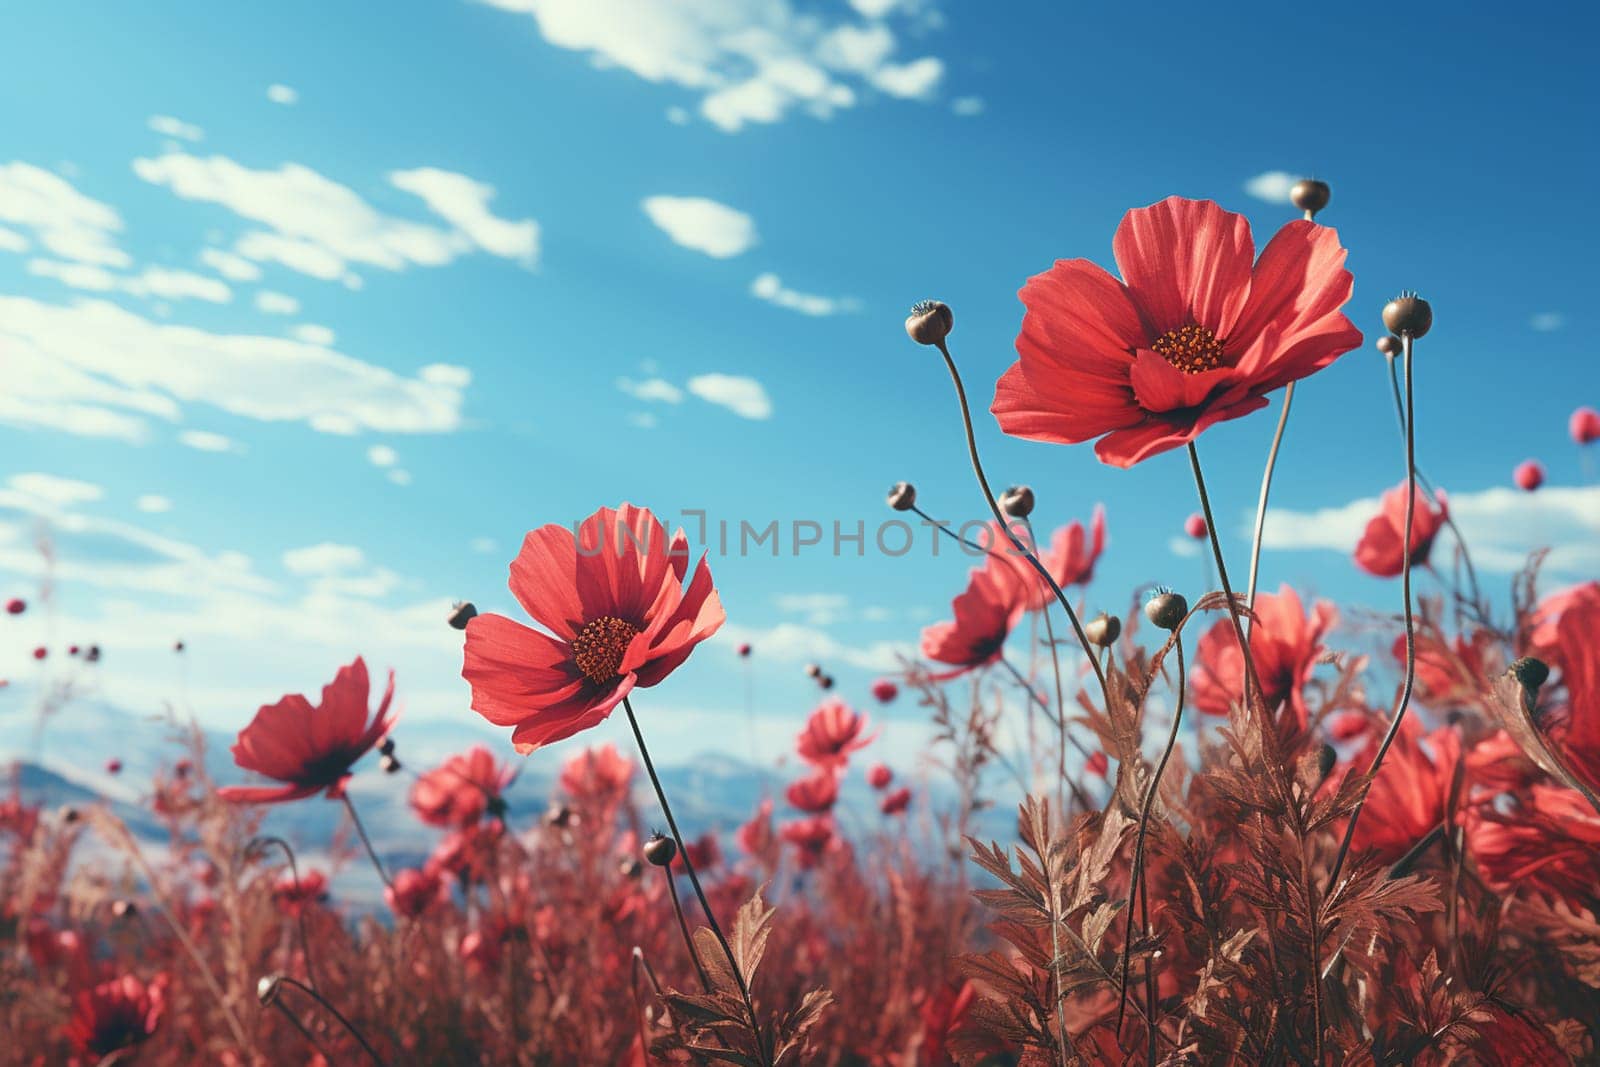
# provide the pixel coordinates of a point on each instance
(1584, 426)
(461, 789)
(995, 598)
(1411, 793)
(832, 732)
(617, 614)
(1571, 647)
(114, 1015)
(1550, 845)
(884, 691)
(897, 802)
(1529, 475)
(414, 892)
(600, 775)
(1285, 645)
(1453, 674)
(1380, 551)
(1196, 332)
(879, 776)
(311, 749)
(815, 794)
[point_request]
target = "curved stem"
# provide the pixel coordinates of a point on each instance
(361, 831)
(336, 1013)
(988, 496)
(1136, 875)
(1250, 679)
(300, 914)
(1261, 502)
(1061, 700)
(300, 1026)
(1039, 701)
(683, 927)
(1411, 629)
(694, 879)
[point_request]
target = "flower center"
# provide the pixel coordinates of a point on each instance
(600, 645)
(1191, 349)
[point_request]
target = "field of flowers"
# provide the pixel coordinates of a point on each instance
(1236, 840)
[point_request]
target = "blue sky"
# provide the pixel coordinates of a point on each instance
(306, 316)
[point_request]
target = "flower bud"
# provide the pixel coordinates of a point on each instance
(1195, 526)
(1017, 502)
(1326, 758)
(178, 646)
(16, 605)
(389, 764)
(461, 613)
(1103, 630)
(744, 650)
(41, 652)
(267, 988)
(1408, 315)
(386, 747)
(1529, 475)
(660, 850)
(930, 322)
(826, 681)
(813, 670)
(903, 497)
(1166, 609)
(93, 655)
(113, 766)
(1389, 345)
(1532, 673)
(1310, 195)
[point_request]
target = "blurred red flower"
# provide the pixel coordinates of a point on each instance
(1529, 475)
(832, 732)
(414, 891)
(705, 852)
(816, 793)
(942, 1015)
(296, 896)
(755, 837)
(468, 853)
(1551, 844)
(1195, 526)
(897, 802)
(1197, 332)
(617, 614)
(1285, 645)
(1097, 764)
(1568, 635)
(311, 749)
(1584, 426)
(461, 789)
(1380, 551)
(1070, 559)
(996, 596)
(884, 691)
(599, 774)
(114, 1015)
(879, 776)
(811, 839)
(16, 606)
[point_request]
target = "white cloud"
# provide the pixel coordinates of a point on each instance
(53, 490)
(63, 220)
(168, 126)
(93, 352)
(161, 282)
(206, 441)
(643, 420)
(770, 287)
(793, 643)
(153, 504)
(82, 420)
(677, 116)
(967, 106)
(446, 374)
(275, 303)
(299, 255)
(382, 456)
(464, 204)
(482, 545)
(1185, 547)
(1501, 526)
(743, 396)
(230, 265)
(282, 94)
(703, 225)
(751, 61)
(1273, 186)
(820, 609)
(12, 241)
(911, 81)
(651, 389)
(399, 477)
(1547, 321)
(312, 334)
(322, 559)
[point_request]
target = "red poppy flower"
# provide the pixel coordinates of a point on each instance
(1411, 793)
(16, 606)
(1070, 559)
(41, 652)
(414, 892)
(943, 1014)
(1568, 637)
(1197, 331)
(311, 749)
(811, 839)
(1097, 764)
(755, 837)
(118, 1014)
(1529, 475)
(832, 732)
(468, 853)
(1508, 1040)
(296, 896)
(897, 802)
(1584, 426)
(705, 852)
(461, 789)
(617, 614)
(815, 794)
(884, 691)
(1349, 725)
(995, 598)
(1550, 845)
(1285, 645)
(1195, 526)
(1380, 552)
(113, 766)
(1451, 674)
(600, 775)
(879, 776)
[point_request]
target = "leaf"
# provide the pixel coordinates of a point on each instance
(751, 927)
(1513, 709)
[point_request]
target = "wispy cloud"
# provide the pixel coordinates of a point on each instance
(282, 94)
(158, 282)
(790, 642)
(63, 220)
(1547, 321)
(168, 126)
(153, 504)
(744, 397)
(54, 490)
(770, 287)
(464, 203)
(651, 389)
(703, 225)
(967, 106)
(206, 441)
(1272, 186)
(274, 303)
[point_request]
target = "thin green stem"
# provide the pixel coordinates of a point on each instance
(1250, 679)
(361, 831)
(1261, 502)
